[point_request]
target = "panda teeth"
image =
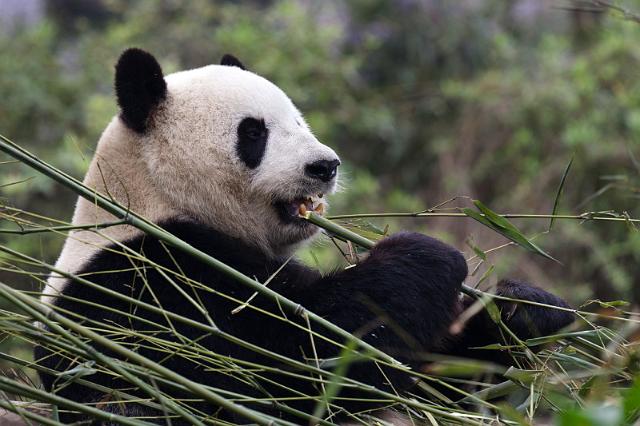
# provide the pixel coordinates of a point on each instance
(307, 205)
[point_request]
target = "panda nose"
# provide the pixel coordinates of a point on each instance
(325, 170)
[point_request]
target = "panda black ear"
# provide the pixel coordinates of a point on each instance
(140, 87)
(231, 61)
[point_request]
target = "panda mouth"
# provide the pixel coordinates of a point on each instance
(292, 210)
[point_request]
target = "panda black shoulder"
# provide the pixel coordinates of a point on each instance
(127, 267)
(114, 257)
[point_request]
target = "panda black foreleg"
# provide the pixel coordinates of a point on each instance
(401, 299)
(525, 320)
(528, 321)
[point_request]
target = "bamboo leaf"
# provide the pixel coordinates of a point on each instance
(461, 368)
(369, 228)
(84, 369)
(631, 403)
(522, 376)
(495, 391)
(365, 232)
(509, 412)
(492, 309)
(477, 250)
(559, 192)
(492, 220)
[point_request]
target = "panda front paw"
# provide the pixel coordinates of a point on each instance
(417, 251)
(526, 320)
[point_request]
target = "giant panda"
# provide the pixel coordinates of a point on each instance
(221, 158)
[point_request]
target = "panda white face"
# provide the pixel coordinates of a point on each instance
(228, 148)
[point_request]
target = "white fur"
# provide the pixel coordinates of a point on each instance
(186, 165)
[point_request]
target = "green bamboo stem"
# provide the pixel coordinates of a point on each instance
(125, 396)
(62, 228)
(155, 231)
(77, 349)
(116, 393)
(41, 313)
(40, 395)
(584, 216)
(218, 332)
(25, 414)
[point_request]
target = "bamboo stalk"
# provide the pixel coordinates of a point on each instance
(116, 393)
(62, 228)
(24, 415)
(595, 216)
(45, 315)
(121, 395)
(40, 313)
(22, 389)
(231, 338)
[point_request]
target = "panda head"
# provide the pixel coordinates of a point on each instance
(225, 147)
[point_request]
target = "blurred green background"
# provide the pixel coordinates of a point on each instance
(424, 101)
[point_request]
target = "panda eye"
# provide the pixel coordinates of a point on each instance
(252, 129)
(252, 141)
(254, 133)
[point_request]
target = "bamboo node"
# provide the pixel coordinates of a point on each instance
(299, 311)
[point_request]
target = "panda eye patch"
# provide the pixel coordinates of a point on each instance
(252, 141)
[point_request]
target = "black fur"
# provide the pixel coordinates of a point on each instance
(140, 87)
(402, 299)
(231, 61)
(525, 320)
(252, 141)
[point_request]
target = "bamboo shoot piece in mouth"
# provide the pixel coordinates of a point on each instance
(307, 206)
(300, 206)
(293, 209)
